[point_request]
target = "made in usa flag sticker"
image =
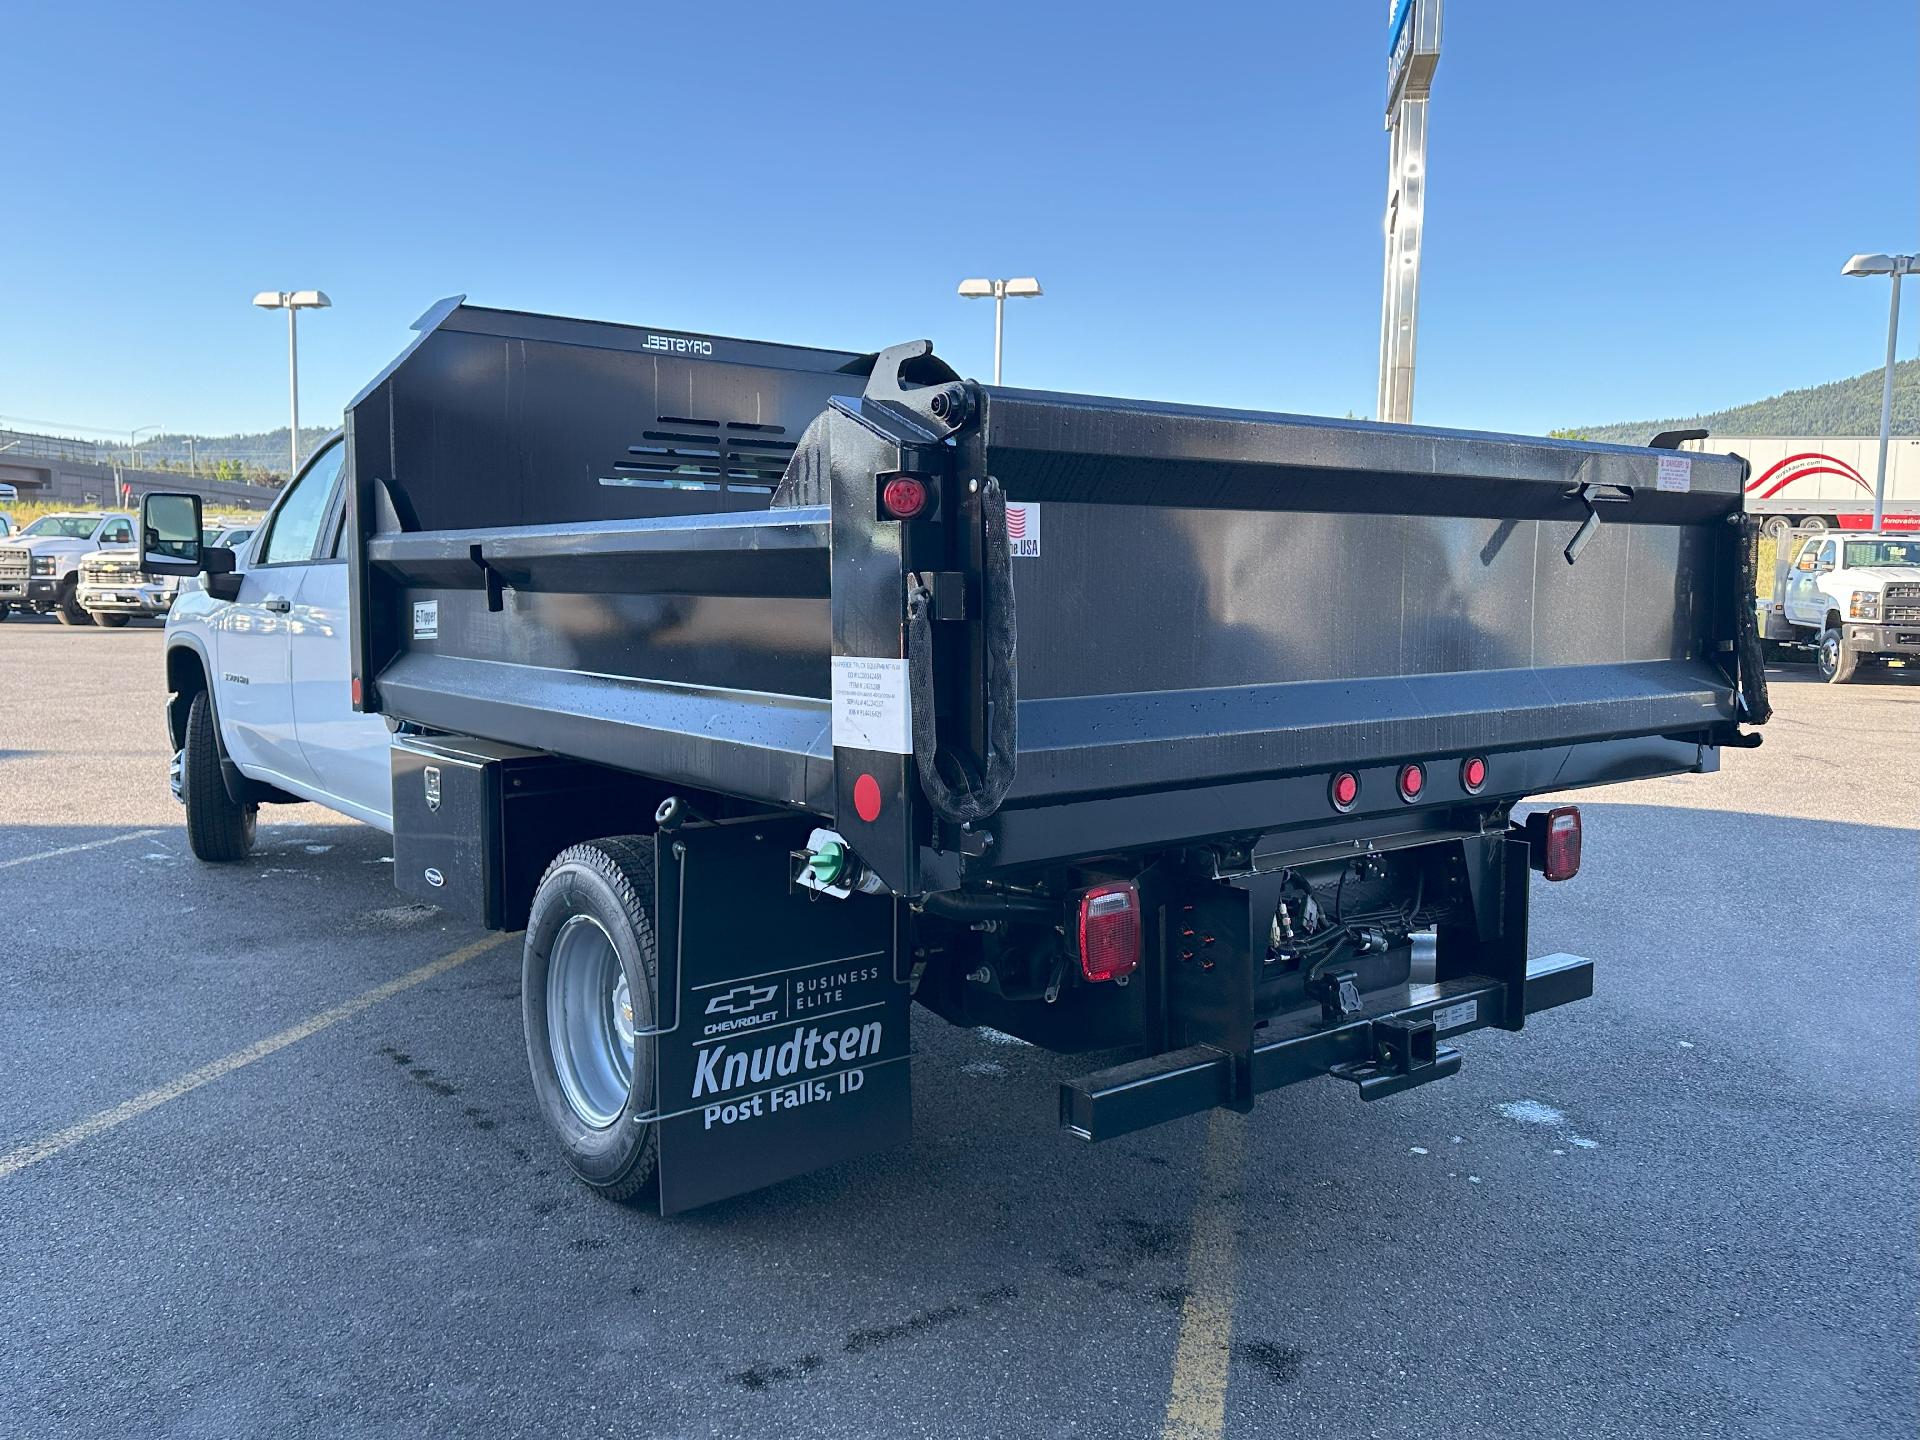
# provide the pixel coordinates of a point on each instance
(1023, 529)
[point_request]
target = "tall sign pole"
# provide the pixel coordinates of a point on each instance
(1413, 51)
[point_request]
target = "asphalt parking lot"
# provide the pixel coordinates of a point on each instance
(1684, 1208)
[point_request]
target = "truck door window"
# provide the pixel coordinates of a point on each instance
(295, 527)
(120, 532)
(1829, 553)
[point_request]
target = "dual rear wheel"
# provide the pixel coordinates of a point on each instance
(589, 982)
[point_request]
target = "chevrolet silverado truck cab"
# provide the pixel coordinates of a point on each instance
(1853, 598)
(258, 655)
(40, 567)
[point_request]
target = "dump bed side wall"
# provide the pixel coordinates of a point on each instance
(695, 650)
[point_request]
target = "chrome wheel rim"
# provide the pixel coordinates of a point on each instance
(1829, 656)
(590, 1025)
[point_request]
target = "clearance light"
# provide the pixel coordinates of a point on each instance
(1413, 779)
(1473, 775)
(1110, 931)
(904, 496)
(1344, 791)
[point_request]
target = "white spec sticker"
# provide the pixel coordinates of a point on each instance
(1675, 473)
(1451, 1017)
(1023, 530)
(426, 619)
(871, 706)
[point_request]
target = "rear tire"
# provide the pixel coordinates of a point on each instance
(6, 610)
(1837, 659)
(218, 831)
(1778, 528)
(589, 981)
(111, 622)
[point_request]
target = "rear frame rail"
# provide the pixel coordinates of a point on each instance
(1362, 1050)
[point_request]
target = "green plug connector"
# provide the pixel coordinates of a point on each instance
(828, 863)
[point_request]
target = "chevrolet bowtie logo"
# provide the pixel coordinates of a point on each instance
(742, 998)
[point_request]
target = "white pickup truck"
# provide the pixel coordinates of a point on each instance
(258, 663)
(1853, 597)
(40, 566)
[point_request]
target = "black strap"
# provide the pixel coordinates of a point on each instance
(1751, 653)
(959, 789)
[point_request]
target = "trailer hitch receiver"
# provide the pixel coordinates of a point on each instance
(1406, 1052)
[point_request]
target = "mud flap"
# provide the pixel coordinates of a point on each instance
(784, 1044)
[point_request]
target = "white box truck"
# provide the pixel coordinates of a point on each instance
(1824, 482)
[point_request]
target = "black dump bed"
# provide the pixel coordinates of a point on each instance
(646, 549)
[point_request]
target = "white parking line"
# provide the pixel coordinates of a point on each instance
(34, 1151)
(76, 849)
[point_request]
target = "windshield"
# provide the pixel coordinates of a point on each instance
(1882, 552)
(68, 527)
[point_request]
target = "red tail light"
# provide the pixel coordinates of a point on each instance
(904, 496)
(1554, 836)
(1344, 790)
(1473, 775)
(1110, 931)
(1413, 779)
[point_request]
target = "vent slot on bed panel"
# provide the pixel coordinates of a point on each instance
(682, 453)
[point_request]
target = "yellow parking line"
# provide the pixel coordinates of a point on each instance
(76, 849)
(1197, 1402)
(34, 1151)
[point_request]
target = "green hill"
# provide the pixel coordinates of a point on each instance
(1840, 407)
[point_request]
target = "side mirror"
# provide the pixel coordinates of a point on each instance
(170, 534)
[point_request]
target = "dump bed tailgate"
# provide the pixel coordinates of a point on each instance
(1205, 595)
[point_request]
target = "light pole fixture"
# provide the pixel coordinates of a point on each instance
(998, 290)
(293, 302)
(1894, 266)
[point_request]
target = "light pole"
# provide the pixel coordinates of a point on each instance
(293, 302)
(193, 456)
(1896, 266)
(1023, 287)
(1413, 52)
(133, 448)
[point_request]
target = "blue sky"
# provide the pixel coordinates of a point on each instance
(1635, 209)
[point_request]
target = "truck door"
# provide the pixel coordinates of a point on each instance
(346, 750)
(1805, 603)
(254, 687)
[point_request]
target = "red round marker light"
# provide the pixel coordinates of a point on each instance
(1413, 779)
(904, 496)
(1473, 775)
(866, 798)
(1345, 790)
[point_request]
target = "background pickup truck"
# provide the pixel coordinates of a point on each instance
(1853, 597)
(773, 690)
(40, 566)
(113, 591)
